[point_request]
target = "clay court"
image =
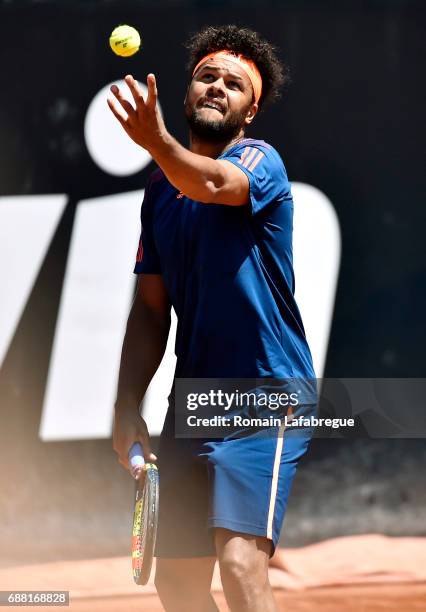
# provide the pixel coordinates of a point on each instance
(369, 573)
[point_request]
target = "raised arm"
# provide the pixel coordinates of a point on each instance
(144, 344)
(199, 177)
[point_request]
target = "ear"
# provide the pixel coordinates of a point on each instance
(251, 113)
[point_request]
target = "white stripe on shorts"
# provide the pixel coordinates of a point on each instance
(275, 474)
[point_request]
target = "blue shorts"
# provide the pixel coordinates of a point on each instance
(241, 484)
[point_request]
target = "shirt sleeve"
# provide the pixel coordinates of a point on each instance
(266, 174)
(147, 258)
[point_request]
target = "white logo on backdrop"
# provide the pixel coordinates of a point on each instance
(99, 283)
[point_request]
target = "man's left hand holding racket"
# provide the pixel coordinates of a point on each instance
(130, 427)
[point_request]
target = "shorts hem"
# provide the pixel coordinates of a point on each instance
(241, 527)
(222, 522)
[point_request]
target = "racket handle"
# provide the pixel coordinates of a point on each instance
(136, 460)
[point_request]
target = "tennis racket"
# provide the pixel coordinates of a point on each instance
(145, 516)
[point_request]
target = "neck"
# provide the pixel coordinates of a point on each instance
(211, 149)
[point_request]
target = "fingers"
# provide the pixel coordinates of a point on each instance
(135, 90)
(138, 472)
(126, 105)
(119, 115)
(148, 455)
(151, 100)
(144, 123)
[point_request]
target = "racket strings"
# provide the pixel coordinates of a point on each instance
(145, 525)
(144, 522)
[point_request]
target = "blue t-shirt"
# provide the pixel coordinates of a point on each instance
(229, 273)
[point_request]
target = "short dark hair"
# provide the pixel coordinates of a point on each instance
(250, 44)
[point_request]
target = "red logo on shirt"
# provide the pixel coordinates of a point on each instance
(139, 254)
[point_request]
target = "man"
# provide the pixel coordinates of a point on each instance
(215, 244)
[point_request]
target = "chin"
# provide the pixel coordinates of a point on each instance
(212, 131)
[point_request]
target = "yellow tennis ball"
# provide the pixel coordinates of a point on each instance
(125, 40)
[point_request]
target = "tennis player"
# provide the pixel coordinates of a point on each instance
(216, 244)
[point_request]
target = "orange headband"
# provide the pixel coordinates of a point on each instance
(247, 65)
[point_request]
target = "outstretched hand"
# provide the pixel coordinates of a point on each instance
(142, 122)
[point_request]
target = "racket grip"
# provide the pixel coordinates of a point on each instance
(136, 460)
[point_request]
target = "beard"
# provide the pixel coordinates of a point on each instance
(215, 130)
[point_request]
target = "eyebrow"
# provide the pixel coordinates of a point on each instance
(231, 74)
